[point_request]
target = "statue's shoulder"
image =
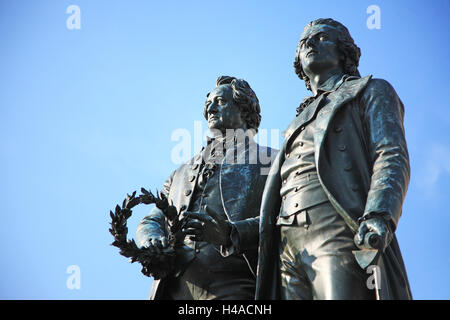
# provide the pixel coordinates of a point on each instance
(196, 159)
(379, 84)
(380, 88)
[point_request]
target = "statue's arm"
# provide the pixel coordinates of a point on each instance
(153, 227)
(382, 115)
(244, 237)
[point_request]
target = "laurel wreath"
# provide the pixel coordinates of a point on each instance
(156, 262)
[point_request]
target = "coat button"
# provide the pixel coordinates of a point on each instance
(195, 166)
(354, 187)
(187, 192)
(288, 155)
(338, 129)
(191, 178)
(300, 144)
(342, 147)
(348, 167)
(284, 181)
(296, 205)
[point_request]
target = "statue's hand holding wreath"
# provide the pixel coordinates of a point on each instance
(157, 256)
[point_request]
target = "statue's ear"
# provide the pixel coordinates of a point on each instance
(245, 116)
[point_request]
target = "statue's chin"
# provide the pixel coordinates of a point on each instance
(214, 124)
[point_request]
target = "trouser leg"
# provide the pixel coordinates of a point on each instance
(338, 277)
(295, 284)
(317, 262)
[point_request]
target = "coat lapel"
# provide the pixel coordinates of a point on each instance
(348, 91)
(302, 118)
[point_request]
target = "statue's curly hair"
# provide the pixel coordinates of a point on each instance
(346, 46)
(245, 98)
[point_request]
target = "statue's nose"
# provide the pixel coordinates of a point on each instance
(212, 108)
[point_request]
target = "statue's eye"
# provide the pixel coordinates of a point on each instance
(323, 37)
(221, 101)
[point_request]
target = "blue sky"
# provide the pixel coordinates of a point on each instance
(88, 116)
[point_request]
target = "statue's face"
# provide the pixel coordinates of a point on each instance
(319, 52)
(221, 110)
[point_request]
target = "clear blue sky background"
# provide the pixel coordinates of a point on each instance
(87, 116)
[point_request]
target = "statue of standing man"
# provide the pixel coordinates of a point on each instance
(341, 175)
(217, 195)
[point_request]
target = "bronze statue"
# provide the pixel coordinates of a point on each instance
(217, 198)
(338, 183)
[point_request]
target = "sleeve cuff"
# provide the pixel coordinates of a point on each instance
(233, 247)
(384, 215)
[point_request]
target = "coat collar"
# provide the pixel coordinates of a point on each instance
(344, 84)
(333, 83)
(303, 118)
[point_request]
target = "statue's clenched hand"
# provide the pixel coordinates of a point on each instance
(156, 244)
(160, 259)
(376, 225)
(208, 227)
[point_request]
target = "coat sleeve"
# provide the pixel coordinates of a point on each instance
(154, 225)
(244, 237)
(382, 116)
